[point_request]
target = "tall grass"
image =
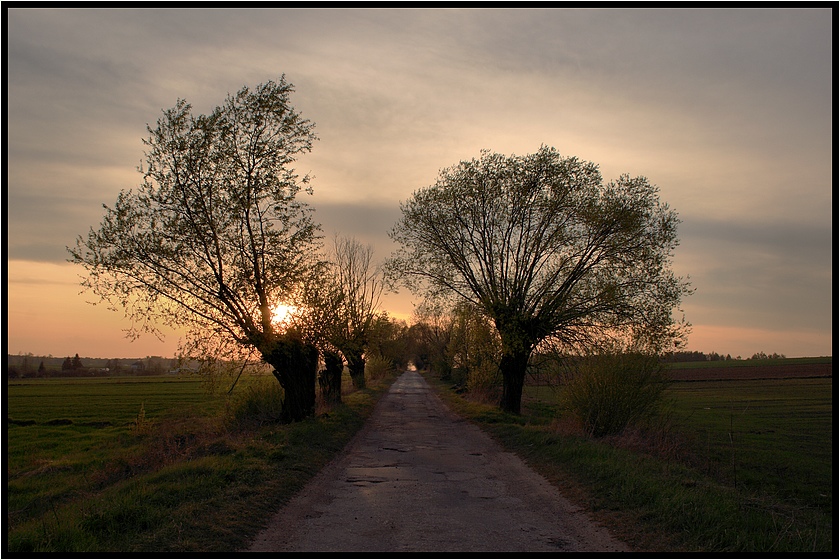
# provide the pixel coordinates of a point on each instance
(257, 404)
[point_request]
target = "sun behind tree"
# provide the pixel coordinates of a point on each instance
(216, 234)
(282, 315)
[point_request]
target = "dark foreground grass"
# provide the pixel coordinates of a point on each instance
(657, 495)
(186, 482)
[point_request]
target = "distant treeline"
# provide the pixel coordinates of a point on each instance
(30, 366)
(688, 356)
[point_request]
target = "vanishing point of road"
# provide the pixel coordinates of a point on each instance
(419, 478)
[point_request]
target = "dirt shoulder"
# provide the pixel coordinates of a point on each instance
(419, 478)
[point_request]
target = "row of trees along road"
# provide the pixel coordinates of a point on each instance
(216, 236)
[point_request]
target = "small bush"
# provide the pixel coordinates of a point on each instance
(459, 376)
(484, 382)
(260, 403)
(377, 367)
(608, 392)
(442, 368)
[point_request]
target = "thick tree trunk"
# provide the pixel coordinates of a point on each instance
(330, 378)
(513, 368)
(295, 366)
(356, 365)
(519, 337)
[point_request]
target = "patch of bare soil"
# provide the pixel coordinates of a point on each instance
(419, 478)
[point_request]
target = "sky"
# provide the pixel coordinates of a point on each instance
(729, 112)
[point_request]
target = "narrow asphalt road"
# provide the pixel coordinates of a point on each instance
(418, 478)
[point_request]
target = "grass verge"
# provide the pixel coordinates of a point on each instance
(651, 501)
(186, 484)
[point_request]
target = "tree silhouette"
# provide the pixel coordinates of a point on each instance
(359, 284)
(215, 236)
(546, 251)
(340, 310)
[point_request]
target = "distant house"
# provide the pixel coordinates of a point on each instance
(138, 366)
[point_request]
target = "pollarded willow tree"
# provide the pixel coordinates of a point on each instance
(360, 282)
(548, 252)
(215, 236)
(339, 312)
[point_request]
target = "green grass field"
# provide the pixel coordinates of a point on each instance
(62, 433)
(107, 399)
(768, 488)
(88, 473)
(747, 465)
(771, 437)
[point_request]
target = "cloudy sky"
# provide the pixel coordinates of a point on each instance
(728, 112)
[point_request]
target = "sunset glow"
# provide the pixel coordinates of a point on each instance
(282, 314)
(713, 107)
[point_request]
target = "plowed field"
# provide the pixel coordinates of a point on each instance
(783, 371)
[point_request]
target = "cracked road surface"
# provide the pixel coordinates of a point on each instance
(419, 478)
